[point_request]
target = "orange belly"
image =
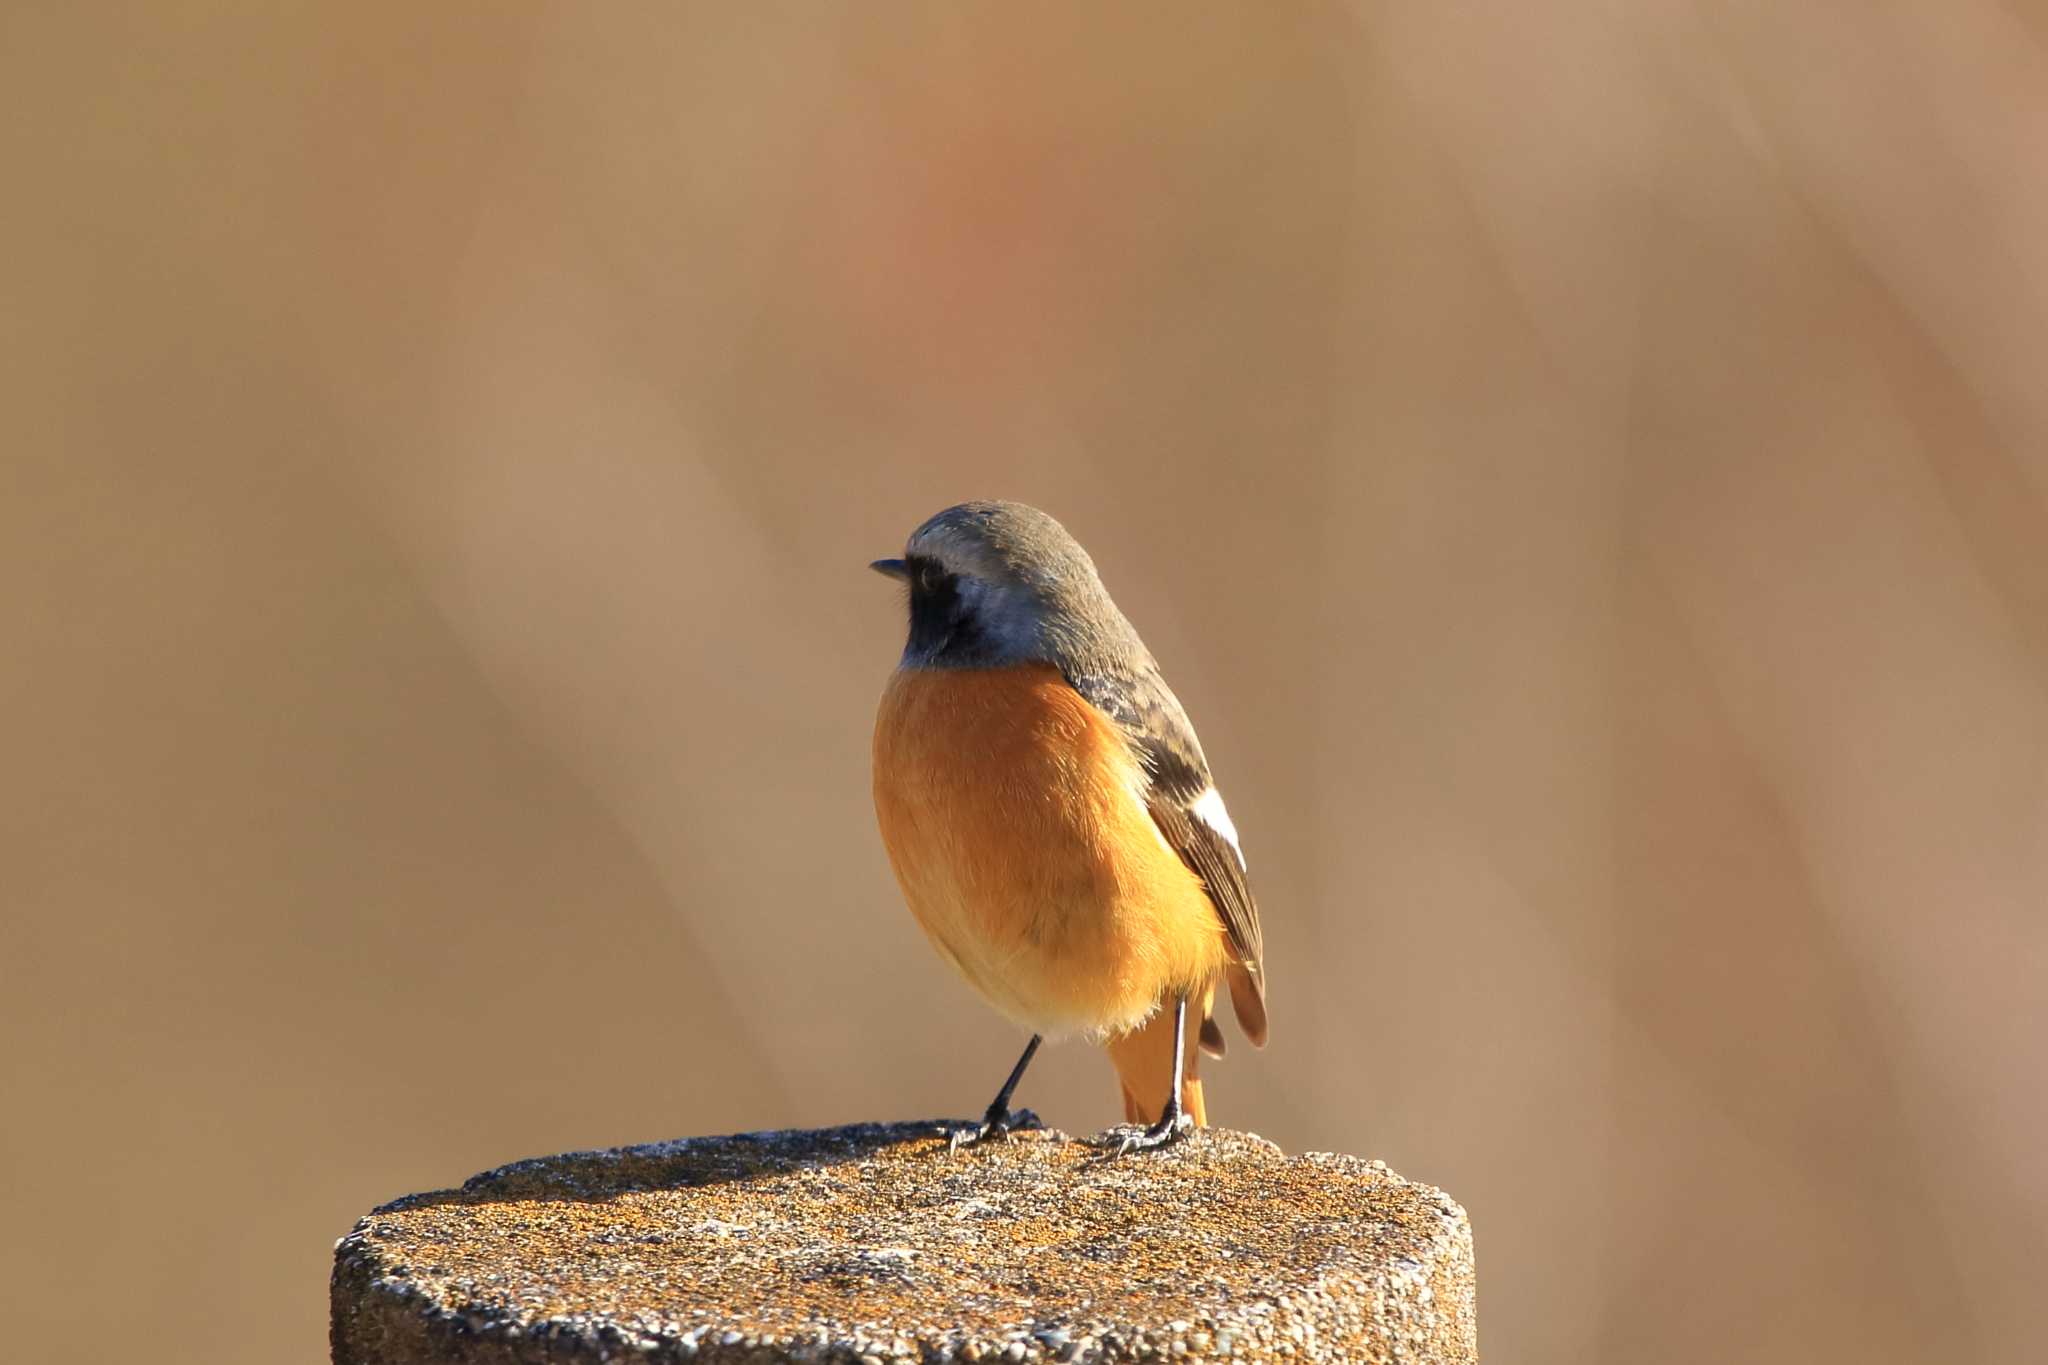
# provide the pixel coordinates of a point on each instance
(1010, 808)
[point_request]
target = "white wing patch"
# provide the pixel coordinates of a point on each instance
(1208, 808)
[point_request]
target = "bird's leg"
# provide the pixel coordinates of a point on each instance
(1000, 1121)
(1173, 1124)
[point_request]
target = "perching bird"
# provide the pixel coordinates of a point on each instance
(1050, 817)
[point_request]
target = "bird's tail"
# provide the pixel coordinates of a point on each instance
(1144, 1063)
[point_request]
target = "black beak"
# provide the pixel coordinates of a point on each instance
(892, 568)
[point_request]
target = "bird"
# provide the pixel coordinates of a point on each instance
(1051, 819)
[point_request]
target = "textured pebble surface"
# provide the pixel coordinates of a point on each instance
(874, 1243)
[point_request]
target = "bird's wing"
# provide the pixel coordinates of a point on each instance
(1189, 812)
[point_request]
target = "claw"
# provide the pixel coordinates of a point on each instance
(1169, 1130)
(993, 1125)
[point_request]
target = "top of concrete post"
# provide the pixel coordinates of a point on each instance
(874, 1243)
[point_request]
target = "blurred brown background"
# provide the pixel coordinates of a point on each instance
(1585, 467)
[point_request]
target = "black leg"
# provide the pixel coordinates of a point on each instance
(1173, 1122)
(999, 1121)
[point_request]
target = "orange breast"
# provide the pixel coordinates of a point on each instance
(1010, 808)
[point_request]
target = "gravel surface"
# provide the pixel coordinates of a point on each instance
(875, 1243)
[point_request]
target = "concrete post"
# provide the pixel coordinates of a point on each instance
(874, 1244)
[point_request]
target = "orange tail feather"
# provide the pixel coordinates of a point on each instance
(1144, 1064)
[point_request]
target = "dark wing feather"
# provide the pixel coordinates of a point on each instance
(1151, 718)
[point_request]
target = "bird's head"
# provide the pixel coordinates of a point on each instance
(995, 583)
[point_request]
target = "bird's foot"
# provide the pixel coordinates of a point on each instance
(996, 1123)
(1127, 1138)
